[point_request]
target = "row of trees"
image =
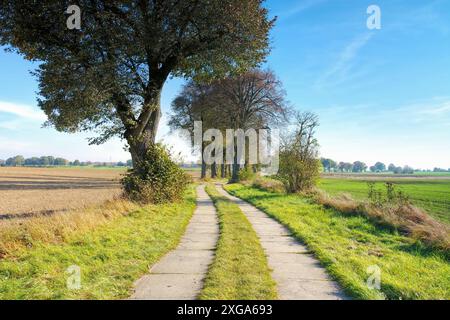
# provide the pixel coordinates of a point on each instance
(400, 170)
(253, 100)
(440, 170)
(19, 161)
(330, 165)
(45, 161)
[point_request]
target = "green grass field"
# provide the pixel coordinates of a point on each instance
(348, 245)
(433, 195)
(432, 174)
(240, 270)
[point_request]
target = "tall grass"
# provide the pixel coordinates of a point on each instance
(400, 215)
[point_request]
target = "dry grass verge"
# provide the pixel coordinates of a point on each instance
(19, 234)
(268, 184)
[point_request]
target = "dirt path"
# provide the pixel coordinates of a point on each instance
(179, 275)
(297, 273)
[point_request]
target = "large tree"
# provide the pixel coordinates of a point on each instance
(380, 167)
(194, 103)
(108, 75)
(254, 100)
(359, 166)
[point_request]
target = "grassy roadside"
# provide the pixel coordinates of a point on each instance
(431, 195)
(240, 270)
(110, 257)
(348, 245)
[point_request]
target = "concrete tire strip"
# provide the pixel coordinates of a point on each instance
(179, 275)
(298, 274)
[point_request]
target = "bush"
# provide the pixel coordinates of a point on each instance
(246, 174)
(298, 174)
(156, 179)
(299, 167)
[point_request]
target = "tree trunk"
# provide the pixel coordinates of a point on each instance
(214, 167)
(214, 170)
(235, 167)
(222, 171)
(203, 175)
(143, 136)
(204, 167)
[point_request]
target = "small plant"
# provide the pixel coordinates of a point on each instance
(375, 196)
(392, 197)
(390, 191)
(371, 187)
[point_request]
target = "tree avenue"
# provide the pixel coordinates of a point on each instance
(107, 76)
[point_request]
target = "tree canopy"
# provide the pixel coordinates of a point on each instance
(108, 75)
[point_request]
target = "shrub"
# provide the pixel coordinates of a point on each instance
(246, 174)
(156, 180)
(297, 173)
(299, 167)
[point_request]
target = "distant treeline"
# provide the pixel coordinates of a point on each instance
(45, 161)
(330, 165)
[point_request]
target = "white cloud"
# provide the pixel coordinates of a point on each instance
(22, 111)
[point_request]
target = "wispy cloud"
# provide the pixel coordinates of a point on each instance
(439, 108)
(433, 112)
(11, 125)
(341, 68)
(12, 146)
(432, 15)
(22, 111)
(302, 6)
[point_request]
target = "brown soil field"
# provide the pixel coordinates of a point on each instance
(32, 191)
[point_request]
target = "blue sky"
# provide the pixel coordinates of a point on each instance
(381, 95)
